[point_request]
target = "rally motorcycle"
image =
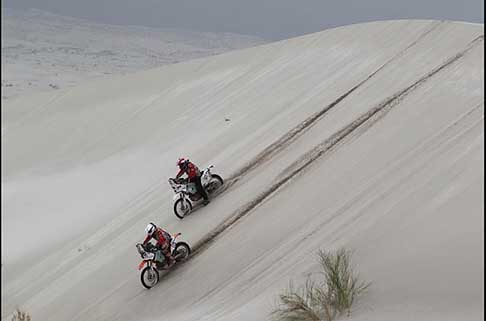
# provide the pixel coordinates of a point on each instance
(150, 268)
(186, 195)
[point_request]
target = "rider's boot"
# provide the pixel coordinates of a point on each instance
(171, 262)
(170, 259)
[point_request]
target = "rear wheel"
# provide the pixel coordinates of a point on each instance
(149, 277)
(215, 183)
(181, 251)
(182, 207)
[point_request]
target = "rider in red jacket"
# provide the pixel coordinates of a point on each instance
(163, 241)
(194, 175)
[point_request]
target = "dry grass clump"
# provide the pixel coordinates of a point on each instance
(20, 316)
(326, 300)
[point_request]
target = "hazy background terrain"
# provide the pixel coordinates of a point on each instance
(42, 51)
(270, 19)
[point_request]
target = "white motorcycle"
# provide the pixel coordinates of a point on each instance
(186, 194)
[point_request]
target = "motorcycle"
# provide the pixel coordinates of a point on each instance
(186, 194)
(150, 267)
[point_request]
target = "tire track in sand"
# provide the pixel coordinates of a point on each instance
(357, 127)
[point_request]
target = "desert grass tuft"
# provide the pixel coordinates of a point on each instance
(326, 300)
(20, 316)
(342, 284)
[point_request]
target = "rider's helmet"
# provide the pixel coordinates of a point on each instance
(150, 229)
(182, 162)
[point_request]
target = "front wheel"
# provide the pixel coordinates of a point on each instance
(149, 277)
(182, 207)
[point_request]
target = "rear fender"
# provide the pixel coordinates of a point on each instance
(206, 177)
(173, 242)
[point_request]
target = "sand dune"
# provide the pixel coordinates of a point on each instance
(369, 136)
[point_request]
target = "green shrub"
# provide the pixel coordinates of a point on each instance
(342, 285)
(326, 300)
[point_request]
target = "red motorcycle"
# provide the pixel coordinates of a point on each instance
(150, 267)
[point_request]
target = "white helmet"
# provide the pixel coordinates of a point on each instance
(150, 229)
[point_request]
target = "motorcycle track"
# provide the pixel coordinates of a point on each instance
(305, 125)
(350, 131)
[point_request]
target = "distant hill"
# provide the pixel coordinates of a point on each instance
(43, 51)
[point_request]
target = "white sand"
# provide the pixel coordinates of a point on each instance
(85, 169)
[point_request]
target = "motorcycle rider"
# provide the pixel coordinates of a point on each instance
(194, 175)
(163, 242)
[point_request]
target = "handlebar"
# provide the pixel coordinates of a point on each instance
(178, 180)
(149, 247)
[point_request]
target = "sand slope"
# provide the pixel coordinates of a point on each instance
(369, 136)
